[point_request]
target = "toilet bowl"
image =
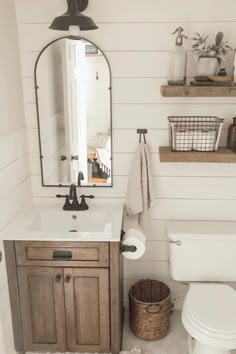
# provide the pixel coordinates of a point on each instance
(209, 316)
(203, 254)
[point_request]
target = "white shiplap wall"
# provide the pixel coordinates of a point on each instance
(15, 193)
(15, 185)
(136, 37)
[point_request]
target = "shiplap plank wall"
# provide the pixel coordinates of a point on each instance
(136, 38)
(15, 186)
(15, 192)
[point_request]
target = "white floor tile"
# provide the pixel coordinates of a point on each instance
(174, 343)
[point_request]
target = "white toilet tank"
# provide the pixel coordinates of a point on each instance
(202, 251)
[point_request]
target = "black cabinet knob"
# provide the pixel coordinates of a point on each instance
(67, 279)
(58, 278)
(63, 157)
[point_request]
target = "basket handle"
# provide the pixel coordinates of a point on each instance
(156, 308)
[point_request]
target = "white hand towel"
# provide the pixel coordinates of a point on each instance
(140, 191)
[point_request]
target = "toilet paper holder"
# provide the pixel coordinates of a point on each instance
(127, 248)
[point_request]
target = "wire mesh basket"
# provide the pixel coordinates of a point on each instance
(199, 133)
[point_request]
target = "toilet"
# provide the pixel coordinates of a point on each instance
(204, 255)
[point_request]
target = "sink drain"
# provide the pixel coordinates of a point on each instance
(73, 231)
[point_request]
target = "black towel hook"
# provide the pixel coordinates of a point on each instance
(142, 132)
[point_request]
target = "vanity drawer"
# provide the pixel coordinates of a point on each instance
(77, 254)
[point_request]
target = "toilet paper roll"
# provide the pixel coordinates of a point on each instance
(134, 237)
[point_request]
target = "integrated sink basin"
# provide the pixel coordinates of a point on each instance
(72, 221)
(48, 222)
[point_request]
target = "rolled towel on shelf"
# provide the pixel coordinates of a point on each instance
(135, 238)
(183, 140)
(204, 140)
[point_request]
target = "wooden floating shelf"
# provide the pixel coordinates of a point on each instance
(198, 91)
(223, 155)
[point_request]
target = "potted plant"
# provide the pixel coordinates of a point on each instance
(209, 55)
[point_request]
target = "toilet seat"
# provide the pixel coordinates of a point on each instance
(209, 314)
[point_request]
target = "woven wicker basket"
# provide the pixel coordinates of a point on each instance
(150, 309)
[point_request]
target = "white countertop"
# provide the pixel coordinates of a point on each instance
(47, 221)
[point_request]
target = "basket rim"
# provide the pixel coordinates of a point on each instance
(150, 303)
(199, 117)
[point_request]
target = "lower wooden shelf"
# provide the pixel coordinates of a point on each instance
(223, 155)
(198, 91)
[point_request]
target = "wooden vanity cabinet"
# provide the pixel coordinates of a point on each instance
(42, 308)
(66, 296)
(87, 310)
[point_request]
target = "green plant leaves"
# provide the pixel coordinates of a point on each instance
(202, 47)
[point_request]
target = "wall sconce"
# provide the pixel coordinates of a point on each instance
(74, 18)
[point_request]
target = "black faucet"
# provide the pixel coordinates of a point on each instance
(72, 196)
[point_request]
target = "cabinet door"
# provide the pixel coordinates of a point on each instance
(87, 310)
(42, 308)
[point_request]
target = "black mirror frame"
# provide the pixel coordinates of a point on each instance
(36, 87)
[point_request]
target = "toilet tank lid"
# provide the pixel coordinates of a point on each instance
(201, 230)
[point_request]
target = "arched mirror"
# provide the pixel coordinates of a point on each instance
(73, 95)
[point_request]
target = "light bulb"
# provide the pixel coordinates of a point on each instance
(74, 30)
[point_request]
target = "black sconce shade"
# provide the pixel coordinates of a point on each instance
(73, 17)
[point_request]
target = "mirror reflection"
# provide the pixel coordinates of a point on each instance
(74, 114)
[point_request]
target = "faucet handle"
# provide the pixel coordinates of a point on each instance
(67, 204)
(62, 196)
(87, 196)
(83, 204)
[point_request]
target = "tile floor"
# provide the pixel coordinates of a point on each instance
(174, 343)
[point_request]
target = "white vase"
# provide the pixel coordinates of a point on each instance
(207, 66)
